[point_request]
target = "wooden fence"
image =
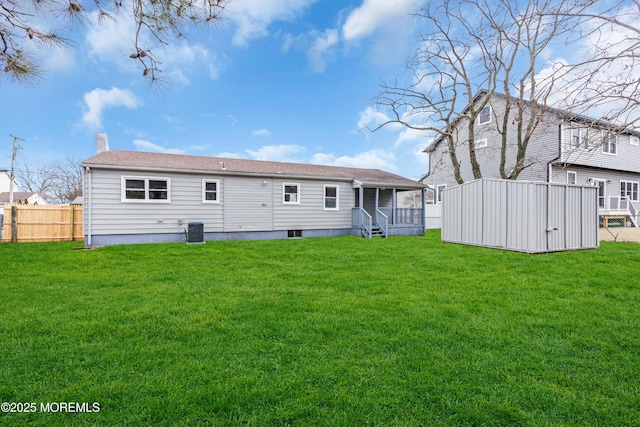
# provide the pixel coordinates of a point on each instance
(34, 223)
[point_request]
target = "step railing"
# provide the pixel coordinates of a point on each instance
(382, 221)
(361, 220)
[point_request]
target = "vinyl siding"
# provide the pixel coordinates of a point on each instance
(109, 215)
(246, 204)
(310, 213)
(612, 178)
(627, 157)
(543, 147)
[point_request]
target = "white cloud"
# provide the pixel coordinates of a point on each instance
(279, 153)
(111, 39)
(321, 48)
(373, 14)
(253, 17)
(371, 118)
(98, 100)
(261, 132)
(60, 59)
(372, 159)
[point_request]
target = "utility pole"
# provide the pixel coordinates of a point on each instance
(13, 165)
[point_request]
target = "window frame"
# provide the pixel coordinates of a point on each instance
(480, 115)
(204, 190)
(325, 197)
(606, 143)
(575, 178)
(583, 138)
(284, 193)
(146, 189)
(439, 192)
(481, 143)
(635, 184)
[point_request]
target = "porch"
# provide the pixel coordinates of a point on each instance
(377, 214)
(618, 212)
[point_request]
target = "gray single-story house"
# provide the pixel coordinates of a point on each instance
(138, 197)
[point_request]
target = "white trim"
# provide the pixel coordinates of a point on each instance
(146, 179)
(438, 195)
(284, 194)
(481, 143)
(575, 177)
(583, 137)
(637, 185)
(480, 122)
(324, 197)
(634, 140)
(605, 143)
(204, 190)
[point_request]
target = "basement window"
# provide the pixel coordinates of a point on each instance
(294, 233)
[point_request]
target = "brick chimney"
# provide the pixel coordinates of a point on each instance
(102, 144)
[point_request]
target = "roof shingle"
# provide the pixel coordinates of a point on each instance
(184, 163)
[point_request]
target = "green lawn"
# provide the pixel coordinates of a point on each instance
(404, 331)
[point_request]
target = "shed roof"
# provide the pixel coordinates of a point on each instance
(138, 160)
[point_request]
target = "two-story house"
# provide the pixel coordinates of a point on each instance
(564, 148)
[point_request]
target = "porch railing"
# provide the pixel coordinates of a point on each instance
(404, 216)
(619, 203)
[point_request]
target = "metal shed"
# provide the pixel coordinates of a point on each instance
(531, 217)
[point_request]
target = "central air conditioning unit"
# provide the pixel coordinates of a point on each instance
(195, 232)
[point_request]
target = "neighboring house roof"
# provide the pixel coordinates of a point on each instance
(136, 160)
(17, 196)
(563, 114)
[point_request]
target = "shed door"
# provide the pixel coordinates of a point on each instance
(556, 218)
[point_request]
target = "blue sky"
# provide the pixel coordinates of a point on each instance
(286, 80)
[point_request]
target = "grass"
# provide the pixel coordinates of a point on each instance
(338, 331)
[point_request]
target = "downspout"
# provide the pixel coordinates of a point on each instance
(87, 202)
(560, 149)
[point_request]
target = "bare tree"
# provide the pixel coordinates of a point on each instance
(499, 46)
(57, 182)
(155, 20)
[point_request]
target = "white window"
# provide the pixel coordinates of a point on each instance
(634, 140)
(481, 143)
(290, 194)
(579, 138)
(485, 115)
(572, 177)
(629, 189)
(609, 143)
(439, 189)
(210, 191)
(331, 197)
(145, 189)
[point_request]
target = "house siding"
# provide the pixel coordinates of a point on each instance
(247, 205)
(543, 148)
(626, 158)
